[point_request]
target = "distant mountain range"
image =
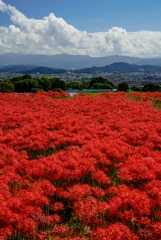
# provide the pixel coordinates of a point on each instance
(119, 67)
(69, 62)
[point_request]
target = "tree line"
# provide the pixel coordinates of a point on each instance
(26, 83)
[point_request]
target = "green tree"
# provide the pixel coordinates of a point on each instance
(73, 85)
(32, 83)
(63, 85)
(101, 80)
(21, 86)
(123, 86)
(16, 79)
(26, 76)
(56, 83)
(45, 84)
(6, 86)
(85, 84)
(151, 87)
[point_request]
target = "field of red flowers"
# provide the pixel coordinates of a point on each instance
(80, 168)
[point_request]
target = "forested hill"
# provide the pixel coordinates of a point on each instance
(45, 70)
(119, 67)
(31, 69)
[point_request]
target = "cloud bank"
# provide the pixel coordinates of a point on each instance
(52, 35)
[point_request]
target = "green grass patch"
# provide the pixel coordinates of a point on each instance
(157, 103)
(134, 96)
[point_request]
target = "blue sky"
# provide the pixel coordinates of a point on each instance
(94, 15)
(98, 28)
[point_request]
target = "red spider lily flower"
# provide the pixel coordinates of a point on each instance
(49, 220)
(91, 211)
(101, 177)
(59, 230)
(44, 187)
(116, 231)
(26, 226)
(78, 191)
(157, 229)
(58, 206)
(6, 232)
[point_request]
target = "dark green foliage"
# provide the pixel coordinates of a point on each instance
(73, 85)
(136, 88)
(151, 87)
(16, 79)
(45, 84)
(26, 76)
(20, 86)
(57, 83)
(77, 84)
(33, 83)
(85, 84)
(98, 82)
(36, 90)
(102, 86)
(123, 86)
(6, 86)
(62, 85)
(94, 83)
(27, 84)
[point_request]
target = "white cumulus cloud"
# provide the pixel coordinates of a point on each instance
(53, 35)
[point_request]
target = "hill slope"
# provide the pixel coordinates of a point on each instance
(121, 67)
